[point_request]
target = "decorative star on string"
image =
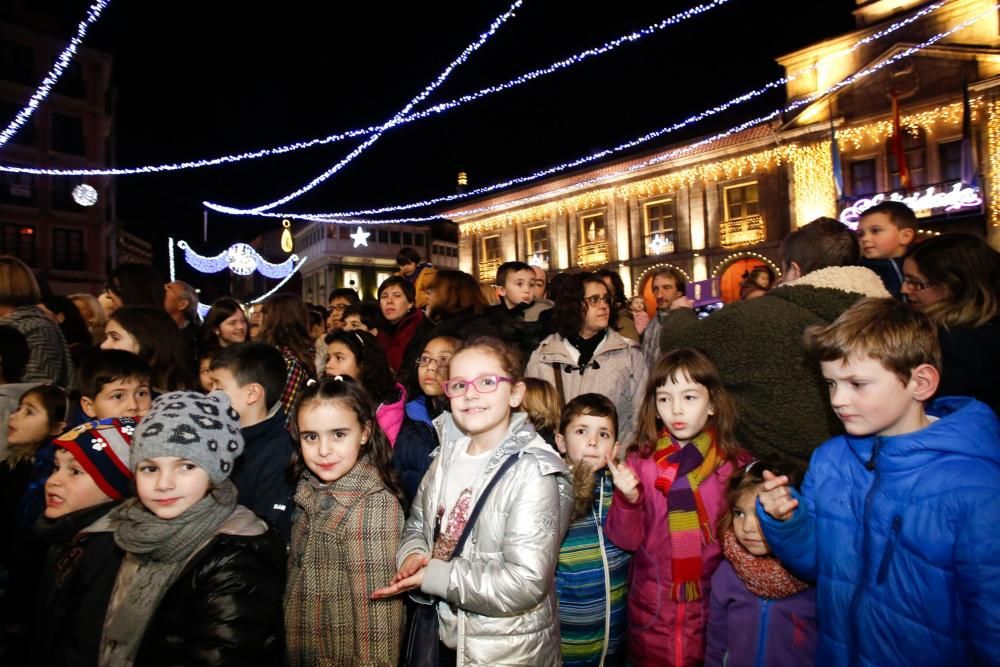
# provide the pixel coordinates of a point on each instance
(360, 237)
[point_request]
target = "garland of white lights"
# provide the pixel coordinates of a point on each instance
(239, 258)
(611, 45)
(358, 215)
(55, 73)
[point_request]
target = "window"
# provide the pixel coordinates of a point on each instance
(67, 134)
(67, 249)
(418, 240)
(17, 189)
(660, 238)
(742, 201)
(62, 192)
(26, 135)
(18, 240)
(491, 247)
(17, 63)
(394, 238)
(383, 236)
(915, 150)
(345, 233)
(862, 175)
(950, 157)
(538, 241)
(744, 225)
(407, 238)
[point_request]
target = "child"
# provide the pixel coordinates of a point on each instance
(358, 355)
(668, 499)
(541, 402)
(885, 231)
(253, 375)
(516, 316)
(82, 559)
(151, 334)
(346, 534)
(497, 599)
(591, 578)
(760, 613)
(202, 577)
(897, 519)
(114, 383)
(205, 370)
(637, 305)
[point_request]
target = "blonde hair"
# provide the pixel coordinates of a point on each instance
(100, 319)
(541, 402)
(18, 286)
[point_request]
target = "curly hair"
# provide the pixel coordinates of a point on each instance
(373, 366)
(570, 310)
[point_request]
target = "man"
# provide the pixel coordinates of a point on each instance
(668, 290)
(180, 300)
(539, 285)
(340, 298)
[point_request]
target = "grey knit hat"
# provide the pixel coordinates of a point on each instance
(189, 425)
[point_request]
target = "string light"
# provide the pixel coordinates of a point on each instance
(173, 265)
(993, 150)
(280, 284)
(58, 68)
(634, 143)
(729, 259)
(239, 258)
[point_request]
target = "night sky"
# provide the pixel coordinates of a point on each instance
(198, 79)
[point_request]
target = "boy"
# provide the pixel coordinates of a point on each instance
(362, 317)
(417, 273)
(114, 383)
(253, 376)
(896, 522)
(515, 318)
(885, 231)
(592, 573)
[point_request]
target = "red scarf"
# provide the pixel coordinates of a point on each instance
(764, 576)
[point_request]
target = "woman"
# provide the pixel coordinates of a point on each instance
(284, 323)
(396, 298)
(64, 312)
(586, 355)
(955, 280)
(132, 284)
(49, 357)
(225, 324)
(147, 333)
(92, 313)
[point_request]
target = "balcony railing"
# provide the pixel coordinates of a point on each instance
(661, 243)
(488, 269)
(740, 232)
(592, 254)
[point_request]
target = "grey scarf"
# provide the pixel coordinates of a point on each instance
(163, 547)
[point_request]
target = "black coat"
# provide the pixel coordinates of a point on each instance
(261, 473)
(225, 609)
(970, 362)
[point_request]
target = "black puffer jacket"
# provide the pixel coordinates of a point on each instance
(225, 609)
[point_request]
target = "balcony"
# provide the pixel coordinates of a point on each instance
(740, 232)
(488, 270)
(592, 254)
(661, 243)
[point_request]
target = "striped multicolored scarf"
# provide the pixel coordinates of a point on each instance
(680, 470)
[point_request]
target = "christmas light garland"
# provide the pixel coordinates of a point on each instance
(239, 258)
(58, 68)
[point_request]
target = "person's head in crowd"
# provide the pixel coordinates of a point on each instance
(886, 230)
(255, 319)
(742, 490)
(151, 333)
(484, 387)
(396, 297)
(357, 354)
(584, 307)
(284, 325)
(881, 361)
(432, 365)
(540, 283)
(668, 285)
(557, 283)
(616, 288)
(407, 259)
(92, 313)
(954, 279)
(205, 369)
(340, 299)
(364, 316)
(253, 376)
(114, 383)
(226, 323)
(756, 283)
(317, 321)
(180, 300)
(66, 315)
(13, 355)
(821, 244)
(453, 292)
(18, 287)
(637, 304)
(587, 432)
(541, 402)
(132, 284)
(514, 284)
(86, 476)
(41, 415)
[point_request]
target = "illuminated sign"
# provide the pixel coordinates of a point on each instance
(924, 203)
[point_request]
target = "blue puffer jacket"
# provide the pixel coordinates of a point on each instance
(900, 534)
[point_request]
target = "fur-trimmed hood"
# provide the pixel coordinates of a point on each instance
(857, 279)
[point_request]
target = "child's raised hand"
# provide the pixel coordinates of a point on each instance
(775, 497)
(409, 577)
(624, 478)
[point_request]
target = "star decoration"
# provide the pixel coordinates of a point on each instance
(360, 237)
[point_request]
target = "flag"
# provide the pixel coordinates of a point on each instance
(838, 174)
(969, 177)
(897, 146)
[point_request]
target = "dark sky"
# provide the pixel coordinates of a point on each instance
(197, 78)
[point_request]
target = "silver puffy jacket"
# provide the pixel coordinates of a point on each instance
(498, 596)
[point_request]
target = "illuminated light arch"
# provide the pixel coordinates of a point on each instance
(656, 268)
(745, 254)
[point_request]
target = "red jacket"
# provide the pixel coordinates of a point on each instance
(393, 338)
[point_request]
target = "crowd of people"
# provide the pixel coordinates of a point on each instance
(537, 472)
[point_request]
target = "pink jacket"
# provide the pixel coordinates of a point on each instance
(390, 415)
(661, 631)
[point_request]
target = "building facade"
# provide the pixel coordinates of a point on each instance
(715, 209)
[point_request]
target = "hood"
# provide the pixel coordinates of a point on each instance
(857, 279)
(417, 410)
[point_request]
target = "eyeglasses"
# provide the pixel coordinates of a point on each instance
(439, 362)
(596, 299)
(916, 284)
(484, 384)
(339, 307)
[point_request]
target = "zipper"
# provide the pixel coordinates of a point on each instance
(765, 608)
(679, 635)
(598, 518)
(890, 548)
(859, 590)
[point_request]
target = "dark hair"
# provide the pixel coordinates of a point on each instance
(190, 294)
(55, 401)
(285, 321)
(569, 310)
(454, 292)
(73, 327)
(373, 366)
(591, 405)
(222, 309)
(137, 285)
(345, 293)
(106, 366)
(680, 282)
(13, 354)
(508, 268)
(616, 282)
(749, 477)
(317, 315)
(257, 363)
(557, 283)
(408, 290)
(348, 392)
(407, 255)
(694, 364)
(898, 213)
(969, 271)
(159, 345)
(822, 243)
(367, 311)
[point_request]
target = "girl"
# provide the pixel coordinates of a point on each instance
(496, 598)
(284, 326)
(152, 335)
(225, 324)
(668, 500)
(357, 354)
(202, 577)
(760, 613)
(541, 402)
(346, 534)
